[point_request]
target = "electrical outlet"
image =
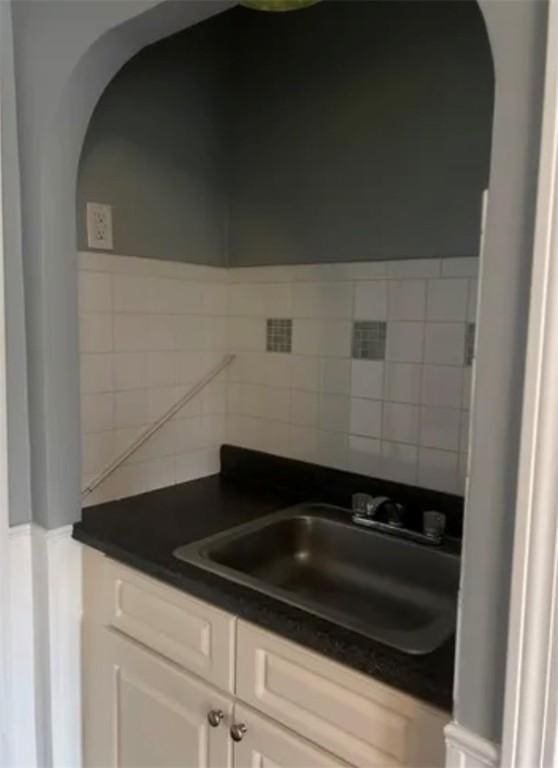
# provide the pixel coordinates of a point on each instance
(99, 226)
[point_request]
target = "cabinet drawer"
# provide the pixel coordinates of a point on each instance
(191, 633)
(351, 715)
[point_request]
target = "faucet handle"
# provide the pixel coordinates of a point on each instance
(363, 504)
(433, 524)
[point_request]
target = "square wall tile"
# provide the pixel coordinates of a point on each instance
(277, 403)
(245, 300)
(97, 412)
(304, 408)
(96, 373)
(276, 299)
(276, 370)
(445, 343)
(405, 342)
(214, 299)
(369, 340)
(131, 408)
(131, 293)
(94, 292)
(400, 423)
(403, 382)
(305, 373)
(439, 428)
(162, 333)
(303, 442)
(130, 370)
(335, 376)
(447, 299)
(367, 379)
(371, 300)
(321, 337)
(332, 449)
(331, 300)
(366, 417)
(364, 455)
(275, 438)
(442, 385)
(399, 462)
(161, 368)
(246, 334)
(131, 333)
(95, 333)
(279, 334)
(407, 300)
(438, 470)
(334, 413)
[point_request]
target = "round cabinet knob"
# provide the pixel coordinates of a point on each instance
(214, 717)
(237, 731)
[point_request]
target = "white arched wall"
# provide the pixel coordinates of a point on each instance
(65, 54)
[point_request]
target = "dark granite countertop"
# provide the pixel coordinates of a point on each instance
(143, 531)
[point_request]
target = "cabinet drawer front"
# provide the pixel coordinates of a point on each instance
(193, 634)
(268, 745)
(349, 714)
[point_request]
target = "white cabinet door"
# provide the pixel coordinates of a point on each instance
(141, 711)
(267, 745)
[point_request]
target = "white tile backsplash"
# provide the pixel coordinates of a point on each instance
(445, 343)
(371, 300)
(400, 423)
(366, 417)
(95, 333)
(150, 328)
(403, 382)
(442, 385)
(336, 376)
(407, 300)
(447, 300)
(405, 341)
(367, 379)
(439, 428)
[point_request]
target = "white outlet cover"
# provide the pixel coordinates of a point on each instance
(99, 226)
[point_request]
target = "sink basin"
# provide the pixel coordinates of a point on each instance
(312, 556)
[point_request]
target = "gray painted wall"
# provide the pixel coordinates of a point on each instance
(156, 150)
(361, 131)
(348, 131)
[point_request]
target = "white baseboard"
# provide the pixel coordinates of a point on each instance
(465, 749)
(45, 579)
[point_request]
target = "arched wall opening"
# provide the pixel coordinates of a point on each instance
(54, 107)
(353, 134)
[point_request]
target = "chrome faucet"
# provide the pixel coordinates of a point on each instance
(366, 507)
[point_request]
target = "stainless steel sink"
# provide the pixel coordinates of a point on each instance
(312, 556)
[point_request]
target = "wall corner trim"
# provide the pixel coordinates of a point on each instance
(465, 749)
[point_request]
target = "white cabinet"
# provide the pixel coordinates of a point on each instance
(266, 745)
(143, 712)
(156, 662)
